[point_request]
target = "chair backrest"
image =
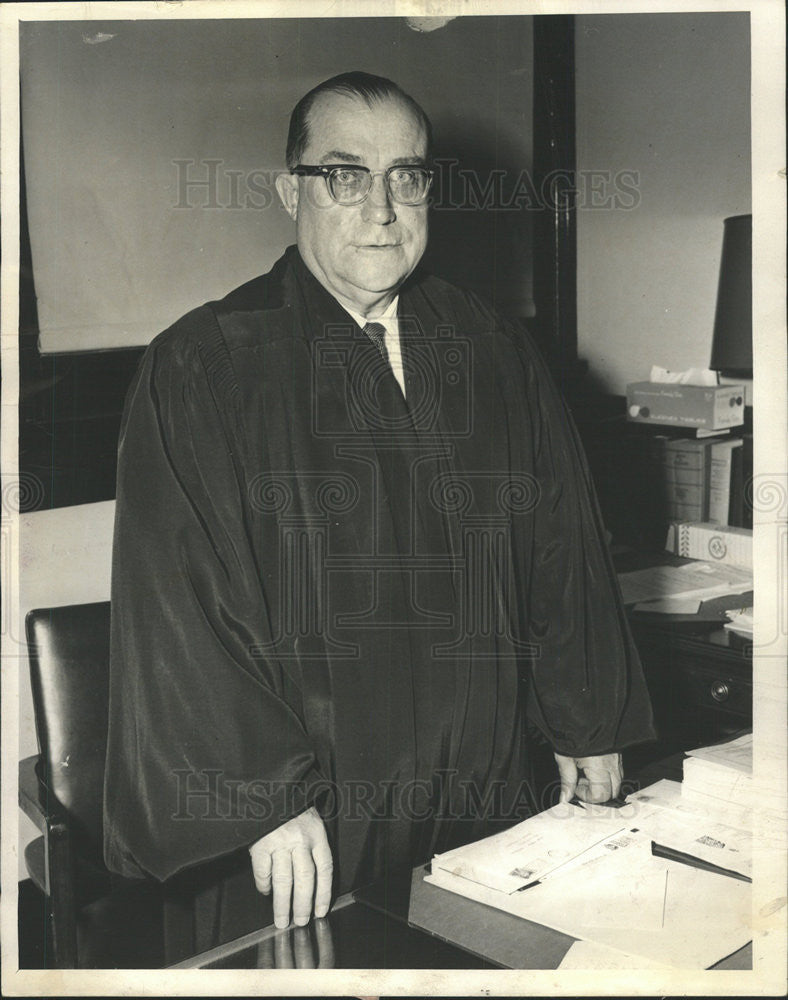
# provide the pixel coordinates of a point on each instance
(69, 673)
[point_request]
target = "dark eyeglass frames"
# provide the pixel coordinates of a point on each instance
(350, 184)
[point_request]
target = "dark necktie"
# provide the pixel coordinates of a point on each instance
(377, 334)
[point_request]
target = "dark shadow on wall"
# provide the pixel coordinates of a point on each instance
(481, 219)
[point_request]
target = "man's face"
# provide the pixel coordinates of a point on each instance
(360, 253)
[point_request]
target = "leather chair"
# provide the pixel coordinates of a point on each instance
(98, 919)
(61, 789)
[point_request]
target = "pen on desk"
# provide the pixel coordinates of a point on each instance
(671, 854)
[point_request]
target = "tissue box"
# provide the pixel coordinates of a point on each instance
(711, 408)
(711, 543)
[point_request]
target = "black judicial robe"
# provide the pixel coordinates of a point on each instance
(324, 594)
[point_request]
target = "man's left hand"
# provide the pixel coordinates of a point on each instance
(593, 779)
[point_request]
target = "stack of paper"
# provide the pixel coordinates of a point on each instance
(681, 589)
(722, 772)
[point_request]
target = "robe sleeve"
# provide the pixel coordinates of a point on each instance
(206, 748)
(588, 694)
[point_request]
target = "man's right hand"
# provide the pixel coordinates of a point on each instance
(295, 859)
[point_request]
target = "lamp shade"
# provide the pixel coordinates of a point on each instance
(731, 351)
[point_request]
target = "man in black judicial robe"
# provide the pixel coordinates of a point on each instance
(338, 552)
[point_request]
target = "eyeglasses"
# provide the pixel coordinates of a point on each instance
(350, 185)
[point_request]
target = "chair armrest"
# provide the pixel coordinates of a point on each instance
(36, 800)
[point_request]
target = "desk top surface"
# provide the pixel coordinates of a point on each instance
(406, 924)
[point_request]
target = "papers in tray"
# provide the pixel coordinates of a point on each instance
(741, 621)
(682, 586)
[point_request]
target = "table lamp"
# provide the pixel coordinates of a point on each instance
(731, 351)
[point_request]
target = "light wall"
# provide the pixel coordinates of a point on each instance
(668, 97)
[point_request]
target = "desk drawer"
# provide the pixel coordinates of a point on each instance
(711, 688)
(689, 690)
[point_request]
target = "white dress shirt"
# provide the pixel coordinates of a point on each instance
(390, 322)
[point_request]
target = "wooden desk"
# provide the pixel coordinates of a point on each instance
(699, 676)
(699, 673)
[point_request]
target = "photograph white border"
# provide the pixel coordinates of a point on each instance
(771, 448)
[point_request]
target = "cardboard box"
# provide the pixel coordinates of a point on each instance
(711, 542)
(689, 494)
(709, 408)
(673, 474)
(686, 479)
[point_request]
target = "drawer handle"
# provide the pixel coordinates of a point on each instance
(720, 691)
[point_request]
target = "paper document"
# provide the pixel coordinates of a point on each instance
(671, 795)
(592, 872)
(714, 843)
(741, 621)
(689, 919)
(618, 886)
(624, 889)
(717, 837)
(699, 580)
(510, 860)
(588, 859)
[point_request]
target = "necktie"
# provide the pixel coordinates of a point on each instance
(377, 334)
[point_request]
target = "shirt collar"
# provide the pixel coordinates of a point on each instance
(389, 313)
